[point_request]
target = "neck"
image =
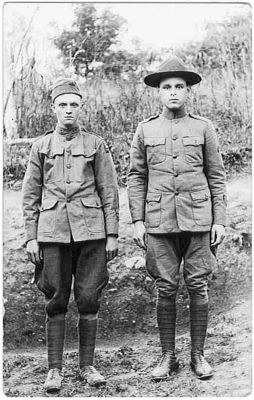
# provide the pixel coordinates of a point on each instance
(64, 130)
(67, 128)
(174, 114)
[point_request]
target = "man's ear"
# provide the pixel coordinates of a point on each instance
(188, 88)
(53, 107)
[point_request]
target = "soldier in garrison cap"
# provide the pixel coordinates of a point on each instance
(177, 198)
(70, 207)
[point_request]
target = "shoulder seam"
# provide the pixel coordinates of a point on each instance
(195, 116)
(150, 118)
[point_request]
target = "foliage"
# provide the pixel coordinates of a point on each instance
(32, 101)
(14, 162)
(114, 107)
(90, 39)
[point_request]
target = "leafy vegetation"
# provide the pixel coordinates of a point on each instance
(116, 100)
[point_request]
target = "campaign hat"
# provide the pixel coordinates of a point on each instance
(64, 86)
(172, 67)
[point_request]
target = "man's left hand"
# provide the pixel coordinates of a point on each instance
(217, 234)
(111, 247)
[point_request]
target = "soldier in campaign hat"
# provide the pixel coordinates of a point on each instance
(70, 207)
(177, 198)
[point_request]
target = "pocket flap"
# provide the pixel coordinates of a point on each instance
(153, 197)
(47, 204)
(154, 141)
(51, 153)
(201, 195)
(193, 141)
(91, 202)
(89, 152)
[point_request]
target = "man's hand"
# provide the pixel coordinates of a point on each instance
(217, 234)
(139, 234)
(34, 252)
(111, 247)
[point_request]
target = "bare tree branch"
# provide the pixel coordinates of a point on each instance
(17, 59)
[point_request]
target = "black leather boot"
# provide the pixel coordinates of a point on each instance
(198, 322)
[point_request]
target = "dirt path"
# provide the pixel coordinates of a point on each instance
(127, 360)
(127, 366)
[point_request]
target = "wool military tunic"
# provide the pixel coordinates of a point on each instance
(177, 179)
(70, 189)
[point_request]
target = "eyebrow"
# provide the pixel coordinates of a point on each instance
(165, 85)
(65, 104)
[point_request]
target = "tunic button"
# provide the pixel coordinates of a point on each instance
(68, 181)
(175, 174)
(68, 150)
(176, 193)
(68, 165)
(174, 155)
(174, 137)
(68, 200)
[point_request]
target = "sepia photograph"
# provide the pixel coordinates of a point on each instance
(127, 199)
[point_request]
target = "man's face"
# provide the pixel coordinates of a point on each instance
(173, 93)
(67, 109)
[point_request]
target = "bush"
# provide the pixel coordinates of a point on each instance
(15, 159)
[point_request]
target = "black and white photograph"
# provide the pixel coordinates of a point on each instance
(127, 199)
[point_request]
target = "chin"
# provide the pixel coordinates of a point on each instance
(69, 124)
(173, 107)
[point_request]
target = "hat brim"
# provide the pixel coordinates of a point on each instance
(191, 78)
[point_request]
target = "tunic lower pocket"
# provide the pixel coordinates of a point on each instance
(93, 214)
(202, 207)
(46, 224)
(153, 210)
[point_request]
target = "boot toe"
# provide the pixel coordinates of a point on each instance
(201, 367)
(167, 364)
(92, 376)
(53, 382)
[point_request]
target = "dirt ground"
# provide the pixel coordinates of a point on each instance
(128, 345)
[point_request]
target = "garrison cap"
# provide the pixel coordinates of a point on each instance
(171, 68)
(65, 86)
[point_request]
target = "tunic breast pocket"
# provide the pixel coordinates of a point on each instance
(82, 164)
(155, 149)
(193, 149)
(53, 166)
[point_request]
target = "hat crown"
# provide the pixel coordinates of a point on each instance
(65, 86)
(172, 67)
(65, 81)
(172, 64)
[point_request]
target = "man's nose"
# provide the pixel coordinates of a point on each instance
(68, 110)
(173, 91)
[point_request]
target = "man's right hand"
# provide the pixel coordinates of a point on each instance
(139, 234)
(34, 252)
